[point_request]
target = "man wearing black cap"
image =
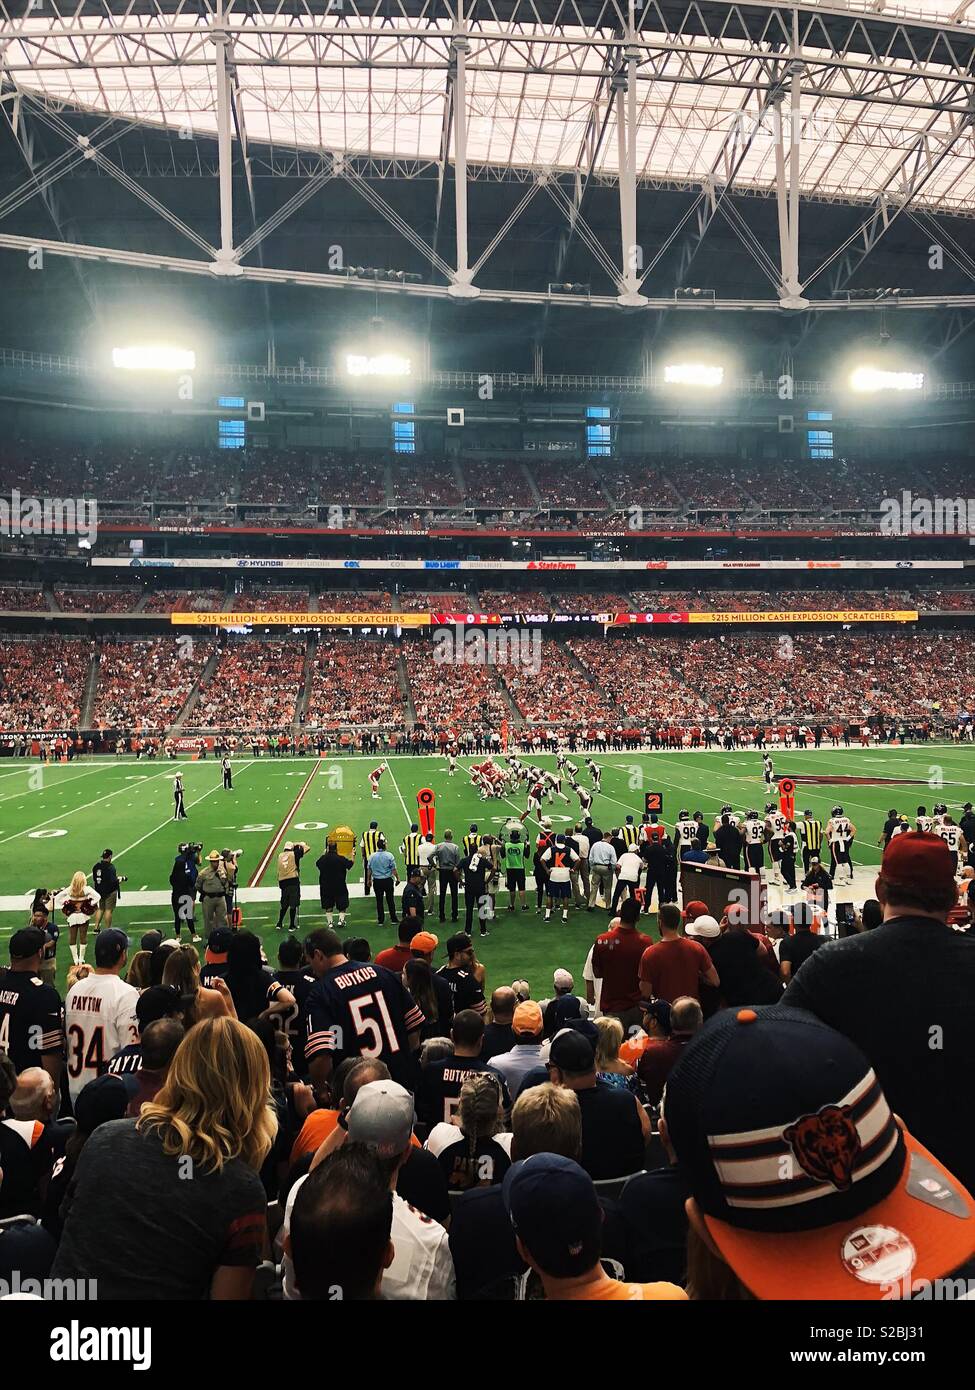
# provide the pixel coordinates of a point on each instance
(31, 1015)
(558, 1223)
(107, 884)
(99, 1012)
(903, 994)
(615, 1127)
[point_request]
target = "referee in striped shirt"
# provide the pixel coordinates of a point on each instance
(372, 839)
(410, 849)
(811, 831)
(472, 842)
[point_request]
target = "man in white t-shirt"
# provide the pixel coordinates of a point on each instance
(381, 1117)
(629, 867)
(99, 1012)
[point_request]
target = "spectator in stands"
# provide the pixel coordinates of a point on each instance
(557, 1012)
(439, 1086)
(381, 1117)
(795, 950)
(741, 959)
(610, 1066)
(615, 1127)
(474, 1150)
(664, 1051)
(430, 994)
(616, 960)
(158, 1043)
(558, 1225)
(182, 973)
(341, 1221)
(251, 985)
(887, 989)
(106, 1098)
(213, 1111)
(821, 1118)
(499, 1035)
(675, 966)
(395, 957)
(529, 1050)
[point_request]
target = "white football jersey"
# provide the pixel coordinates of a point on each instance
(951, 834)
(99, 1019)
(687, 831)
(754, 832)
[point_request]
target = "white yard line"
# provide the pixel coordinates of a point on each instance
(74, 811)
(217, 786)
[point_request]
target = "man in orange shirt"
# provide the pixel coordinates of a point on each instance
(558, 1225)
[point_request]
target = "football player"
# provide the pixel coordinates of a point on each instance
(840, 833)
(596, 773)
(374, 777)
(753, 832)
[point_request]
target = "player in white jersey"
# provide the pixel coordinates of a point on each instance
(924, 823)
(733, 817)
(552, 781)
(451, 761)
(374, 777)
(939, 812)
(753, 832)
(685, 832)
(768, 771)
(567, 767)
(954, 839)
(585, 798)
(840, 834)
(775, 821)
(596, 773)
(99, 1012)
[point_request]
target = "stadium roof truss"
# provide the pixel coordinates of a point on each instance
(861, 104)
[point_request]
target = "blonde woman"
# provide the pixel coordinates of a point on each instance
(610, 1066)
(197, 1148)
(78, 907)
(182, 973)
(474, 1151)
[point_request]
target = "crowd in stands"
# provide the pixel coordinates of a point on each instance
(96, 600)
(381, 489)
(41, 683)
(144, 684)
(23, 598)
(184, 601)
(449, 694)
(515, 601)
(354, 683)
(558, 689)
(433, 485)
(263, 599)
(254, 685)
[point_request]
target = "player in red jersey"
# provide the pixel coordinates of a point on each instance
(374, 777)
(536, 790)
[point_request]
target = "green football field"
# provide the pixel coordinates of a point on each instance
(56, 819)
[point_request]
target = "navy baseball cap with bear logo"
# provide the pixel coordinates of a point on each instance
(807, 1183)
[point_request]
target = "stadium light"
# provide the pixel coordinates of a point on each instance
(871, 379)
(387, 364)
(153, 358)
(693, 374)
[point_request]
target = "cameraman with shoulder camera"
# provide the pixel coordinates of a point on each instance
(182, 880)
